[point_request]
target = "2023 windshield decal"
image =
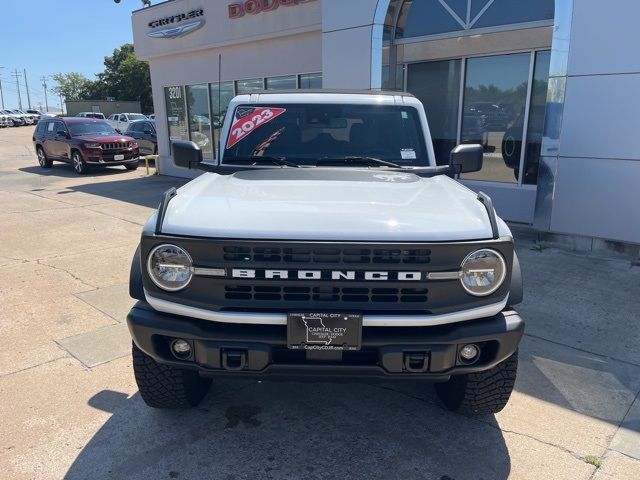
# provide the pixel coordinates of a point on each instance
(249, 119)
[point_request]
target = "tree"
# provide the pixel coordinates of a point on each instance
(72, 86)
(124, 77)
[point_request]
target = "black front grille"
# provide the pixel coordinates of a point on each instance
(349, 291)
(277, 293)
(328, 255)
(116, 145)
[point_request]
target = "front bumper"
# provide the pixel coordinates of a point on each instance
(388, 353)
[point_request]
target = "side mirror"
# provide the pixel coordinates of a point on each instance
(186, 154)
(466, 158)
(118, 130)
(62, 134)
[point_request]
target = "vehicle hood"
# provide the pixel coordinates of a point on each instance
(339, 204)
(104, 138)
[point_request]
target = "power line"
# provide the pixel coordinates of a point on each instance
(26, 84)
(44, 85)
(1, 94)
(18, 75)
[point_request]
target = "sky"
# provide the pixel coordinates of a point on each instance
(52, 36)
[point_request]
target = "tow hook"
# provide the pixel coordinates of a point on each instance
(416, 362)
(234, 359)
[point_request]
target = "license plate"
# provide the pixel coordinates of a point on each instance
(118, 157)
(324, 331)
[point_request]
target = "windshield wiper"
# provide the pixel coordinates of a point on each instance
(257, 159)
(358, 160)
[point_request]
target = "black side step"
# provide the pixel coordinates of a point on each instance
(162, 208)
(488, 205)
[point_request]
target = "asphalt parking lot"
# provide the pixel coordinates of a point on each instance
(69, 406)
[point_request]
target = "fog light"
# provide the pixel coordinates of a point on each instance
(469, 353)
(181, 348)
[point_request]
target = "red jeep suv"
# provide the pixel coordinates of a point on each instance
(84, 142)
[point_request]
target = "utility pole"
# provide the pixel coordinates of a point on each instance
(26, 84)
(1, 95)
(61, 107)
(44, 85)
(18, 75)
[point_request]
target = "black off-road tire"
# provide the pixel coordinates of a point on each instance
(132, 166)
(482, 393)
(162, 386)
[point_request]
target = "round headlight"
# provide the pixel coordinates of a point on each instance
(170, 267)
(483, 271)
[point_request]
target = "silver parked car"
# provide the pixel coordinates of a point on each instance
(15, 120)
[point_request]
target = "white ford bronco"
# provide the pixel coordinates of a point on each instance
(326, 244)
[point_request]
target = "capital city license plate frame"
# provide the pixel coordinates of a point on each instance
(324, 331)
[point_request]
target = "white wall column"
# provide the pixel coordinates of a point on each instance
(352, 43)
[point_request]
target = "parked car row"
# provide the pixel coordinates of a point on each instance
(18, 118)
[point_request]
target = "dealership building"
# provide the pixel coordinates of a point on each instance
(550, 88)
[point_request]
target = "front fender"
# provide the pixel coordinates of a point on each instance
(516, 292)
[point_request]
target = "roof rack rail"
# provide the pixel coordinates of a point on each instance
(162, 208)
(488, 205)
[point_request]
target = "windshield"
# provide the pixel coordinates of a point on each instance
(307, 134)
(136, 116)
(97, 128)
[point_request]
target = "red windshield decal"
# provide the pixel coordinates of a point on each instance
(249, 119)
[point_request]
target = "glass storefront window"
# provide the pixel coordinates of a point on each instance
(310, 80)
(176, 113)
(437, 86)
(399, 80)
(505, 12)
(434, 17)
(495, 97)
(221, 96)
(249, 85)
(426, 17)
(282, 83)
(199, 118)
(537, 111)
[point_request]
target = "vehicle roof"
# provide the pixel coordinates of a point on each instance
(82, 120)
(329, 91)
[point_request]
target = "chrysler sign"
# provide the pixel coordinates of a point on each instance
(253, 7)
(177, 25)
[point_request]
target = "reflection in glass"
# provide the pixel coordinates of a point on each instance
(199, 121)
(221, 96)
(437, 86)
(505, 12)
(425, 17)
(433, 17)
(536, 117)
(310, 80)
(281, 83)
(249, 85)
(399, 80)
(494, 99)
(176, 113)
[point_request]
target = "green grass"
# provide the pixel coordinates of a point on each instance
(593, 460)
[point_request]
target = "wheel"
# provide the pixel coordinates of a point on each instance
(42, 158)
(12, 123)
(131, 166)
(480, 393)
(162, 386)
(79, 164)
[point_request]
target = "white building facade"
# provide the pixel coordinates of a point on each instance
(550, 88)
